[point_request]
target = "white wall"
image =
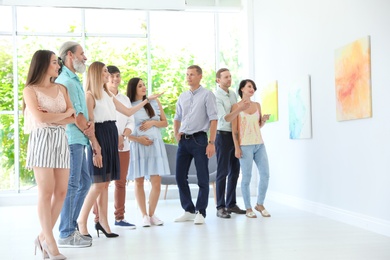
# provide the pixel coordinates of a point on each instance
(344, 170)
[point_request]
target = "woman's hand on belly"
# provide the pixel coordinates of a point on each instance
(146, 125)
(144, 140)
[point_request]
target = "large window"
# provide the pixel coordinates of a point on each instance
(157, 46)
(7, 133)
(178, 41)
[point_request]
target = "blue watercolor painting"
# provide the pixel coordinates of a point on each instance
(299, 107)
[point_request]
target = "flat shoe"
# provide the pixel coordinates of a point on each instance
(263, 212)
(251, 214)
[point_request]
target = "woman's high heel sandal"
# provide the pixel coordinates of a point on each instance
(87, 235)
(37, 244)
(45, 249)
(99, 227)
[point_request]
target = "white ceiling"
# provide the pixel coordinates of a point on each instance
(130, 4)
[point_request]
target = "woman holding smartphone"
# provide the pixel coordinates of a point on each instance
(249, 147)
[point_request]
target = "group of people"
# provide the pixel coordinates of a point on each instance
(81, 140)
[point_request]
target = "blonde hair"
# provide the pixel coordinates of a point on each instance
(95, 81)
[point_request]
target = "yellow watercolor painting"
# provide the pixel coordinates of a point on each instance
(269, 101)
(353, 80)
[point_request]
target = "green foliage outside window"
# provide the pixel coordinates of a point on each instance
(167, 73)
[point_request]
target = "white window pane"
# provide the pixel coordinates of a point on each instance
(191, 32)
(232, 45)
(48, 20)
(128, 54)
(5, 18)
(115, 21)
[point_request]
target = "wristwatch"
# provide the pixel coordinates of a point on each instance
(211, 142)
(124, 137)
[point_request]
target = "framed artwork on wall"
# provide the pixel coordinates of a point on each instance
(299, 108)
(269, 101)
(353, 80)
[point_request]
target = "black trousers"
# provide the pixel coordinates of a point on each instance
(228, 170)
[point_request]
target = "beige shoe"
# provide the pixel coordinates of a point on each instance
(263, 212)
(250, 214)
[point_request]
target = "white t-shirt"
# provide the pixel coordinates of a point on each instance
(123, 121)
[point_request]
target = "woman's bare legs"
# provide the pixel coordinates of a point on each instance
(61, 186)
(154, 193)
(140, 195)
(52, 186)
(102, 202)
(94, 192)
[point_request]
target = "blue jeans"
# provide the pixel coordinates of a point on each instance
(188, 149)
(258, 154)
(78, 187)
(228, 167)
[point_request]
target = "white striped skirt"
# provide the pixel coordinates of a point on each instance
(48, 148)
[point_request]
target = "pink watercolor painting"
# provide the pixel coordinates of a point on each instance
(353, 80)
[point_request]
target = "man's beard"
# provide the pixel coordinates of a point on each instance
(79, 66)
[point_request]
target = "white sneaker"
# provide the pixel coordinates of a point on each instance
(187, 216)
(146, 221)
(154, 220)
(199, 219)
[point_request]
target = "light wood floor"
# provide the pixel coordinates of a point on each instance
(289, 234)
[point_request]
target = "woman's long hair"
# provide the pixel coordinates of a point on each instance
(39, 65)
(95, 81)
(132, 91)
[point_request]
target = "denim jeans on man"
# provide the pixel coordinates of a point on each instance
(258, 154)
(78, 187)
(193, 148)
(228, 166)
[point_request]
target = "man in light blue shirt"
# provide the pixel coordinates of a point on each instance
(73, 59)
(196, 114)
(228, 165)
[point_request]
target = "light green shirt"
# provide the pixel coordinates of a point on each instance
(77, 96)
(225, 102)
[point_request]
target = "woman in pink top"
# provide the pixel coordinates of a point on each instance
(47, 109)
(249, 147)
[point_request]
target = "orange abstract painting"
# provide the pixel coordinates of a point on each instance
(353, 80)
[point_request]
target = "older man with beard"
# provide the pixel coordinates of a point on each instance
(73, 60)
